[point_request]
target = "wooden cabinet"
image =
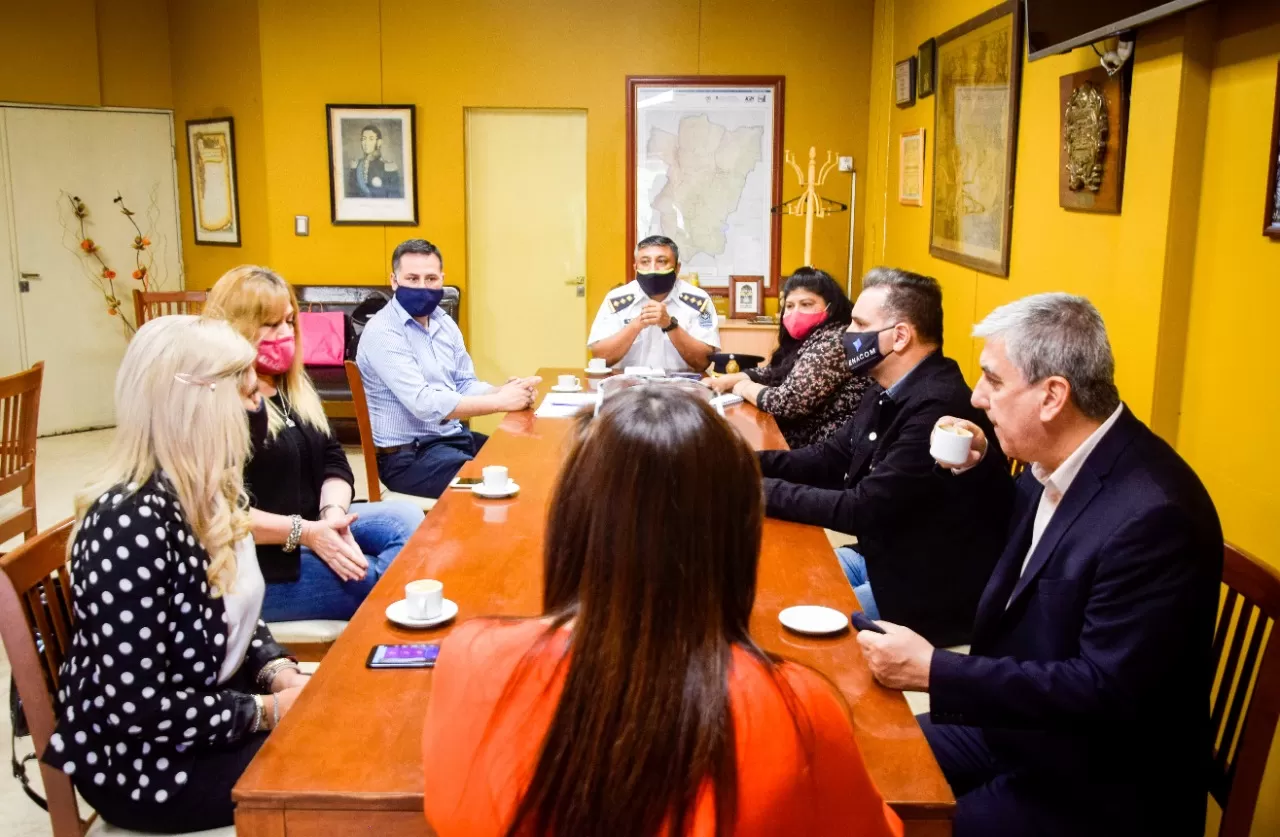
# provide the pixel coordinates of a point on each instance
(742, 337)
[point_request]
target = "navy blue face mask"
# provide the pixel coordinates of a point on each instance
(419, 302)
(862, 349)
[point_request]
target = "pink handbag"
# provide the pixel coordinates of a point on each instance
(324, 339)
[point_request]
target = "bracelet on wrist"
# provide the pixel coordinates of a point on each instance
(295, 534)
(338, 506)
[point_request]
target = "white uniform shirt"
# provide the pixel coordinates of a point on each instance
(686, 303)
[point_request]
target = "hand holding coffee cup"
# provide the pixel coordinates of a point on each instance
(957, 443)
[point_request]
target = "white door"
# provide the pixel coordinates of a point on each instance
(10, 308)
(52, 156)
(526, 241)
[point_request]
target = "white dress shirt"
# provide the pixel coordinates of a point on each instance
(244, 606)
(1057, 483)
(687, 304)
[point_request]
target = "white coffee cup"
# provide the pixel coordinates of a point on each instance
(496, 477)
(569, 382)
(950, 445)
(425, 598)
(598, 364)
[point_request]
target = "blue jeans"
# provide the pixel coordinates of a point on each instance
(426, 468)
(381, 530)
(855, 569)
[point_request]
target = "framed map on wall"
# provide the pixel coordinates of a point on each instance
(979, 67)
(703, 169)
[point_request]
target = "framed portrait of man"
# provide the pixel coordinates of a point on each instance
(372, 164)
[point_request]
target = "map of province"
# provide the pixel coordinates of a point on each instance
(707, 168)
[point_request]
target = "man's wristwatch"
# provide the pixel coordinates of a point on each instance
(671, 326)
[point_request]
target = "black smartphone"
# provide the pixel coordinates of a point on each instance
(862, 622)
(465, 482)
(403, 656)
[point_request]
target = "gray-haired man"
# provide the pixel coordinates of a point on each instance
(1082, 706)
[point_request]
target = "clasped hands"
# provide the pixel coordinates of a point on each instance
(653, 314)
(519, 393)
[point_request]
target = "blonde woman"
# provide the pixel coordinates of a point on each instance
(172, 680)
(320, 555)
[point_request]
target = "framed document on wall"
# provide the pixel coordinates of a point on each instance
(372, 159)
(975, 138)
(911, 168)
(215, 199)
(704, 158)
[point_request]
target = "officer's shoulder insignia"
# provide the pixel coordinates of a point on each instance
(390, 167)
(694, 301)
(617, 303)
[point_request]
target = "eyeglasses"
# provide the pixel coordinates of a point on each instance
(612, 386)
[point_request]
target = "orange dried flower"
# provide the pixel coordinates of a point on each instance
(108, 273)
(139, 273)
(88, 246)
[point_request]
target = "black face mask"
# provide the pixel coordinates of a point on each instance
(258, 424)
(862, 348)
(656, 284)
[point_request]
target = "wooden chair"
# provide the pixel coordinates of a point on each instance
(148, 305)
(19, 417)
(377, 491)
(1246, 694)
(35, 600)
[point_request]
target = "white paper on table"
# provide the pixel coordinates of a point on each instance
(565, 404)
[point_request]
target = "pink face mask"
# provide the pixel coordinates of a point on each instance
(799, 324)
(275, 357)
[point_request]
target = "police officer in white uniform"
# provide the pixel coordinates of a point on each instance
(656, 320)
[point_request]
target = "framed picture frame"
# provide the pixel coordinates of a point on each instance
(215, 193)
(925, 68)
(681, 130)
(975, 135)
(1094, 109)
(746, 297)
(904, 83)
(911, 168)
(372, 165)
(1271, 219)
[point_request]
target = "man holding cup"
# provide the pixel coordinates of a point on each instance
(926, 544)
(1081, 708)
(420, 382)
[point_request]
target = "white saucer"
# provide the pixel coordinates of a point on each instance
(398, 612)
(511, 490)
(814, 620)
(558, 388)
(596, 372)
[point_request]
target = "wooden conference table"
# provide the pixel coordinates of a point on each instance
(347, 758)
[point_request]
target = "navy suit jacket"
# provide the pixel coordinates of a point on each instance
(1090, 671)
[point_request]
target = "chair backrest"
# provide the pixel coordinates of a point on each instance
(35, 624)
(1245, 699)
(366, 430)
(148, 305)
(19, 420)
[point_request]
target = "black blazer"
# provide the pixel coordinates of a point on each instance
(140, 693)
(1094, 680)
(930, 540)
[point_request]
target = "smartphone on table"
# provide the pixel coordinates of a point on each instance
(465, 482)
(421, 655)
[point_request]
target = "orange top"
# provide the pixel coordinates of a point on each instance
(473, 790)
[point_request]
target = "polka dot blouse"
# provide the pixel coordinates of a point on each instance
(139, 690)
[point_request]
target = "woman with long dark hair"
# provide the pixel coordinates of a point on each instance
(639, 703)
(807, 386)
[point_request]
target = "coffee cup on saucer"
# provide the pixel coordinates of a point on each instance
(950, 444)
(424, 598)
(569, 382)
(496, 477)
(597, 364)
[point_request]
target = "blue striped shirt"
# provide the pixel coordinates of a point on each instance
(413, 376)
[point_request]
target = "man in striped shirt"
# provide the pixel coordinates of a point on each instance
(420, 382)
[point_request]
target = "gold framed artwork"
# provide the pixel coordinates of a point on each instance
(911, 168)
(1094, 108)
(979, 69)
(215, 201)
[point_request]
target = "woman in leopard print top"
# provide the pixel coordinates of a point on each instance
(807, 386)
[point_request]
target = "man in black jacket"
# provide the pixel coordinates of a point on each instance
(926, 543)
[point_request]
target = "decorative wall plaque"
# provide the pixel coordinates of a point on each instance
(1095, 114)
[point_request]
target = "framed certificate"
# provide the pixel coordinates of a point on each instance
(215, 202)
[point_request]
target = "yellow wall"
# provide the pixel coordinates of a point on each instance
(452, 54)
(1184, 278)
(217, 72)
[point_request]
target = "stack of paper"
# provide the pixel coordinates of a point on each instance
(565, 405)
